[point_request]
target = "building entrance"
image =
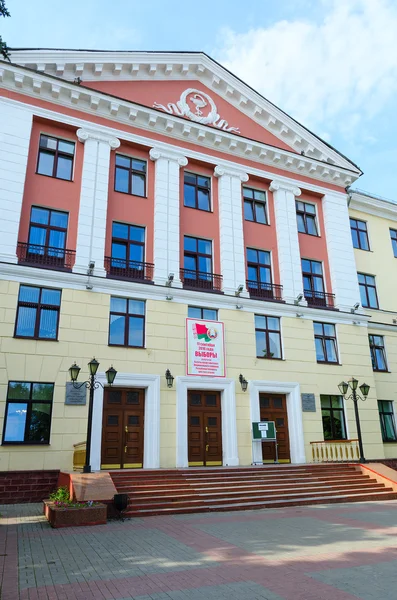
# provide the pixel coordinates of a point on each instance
(204, 429)
(274, 408)
(123, 428)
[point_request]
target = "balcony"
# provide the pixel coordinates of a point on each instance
(119, 268)
(200, 280)
(335, 451)
(45, 257)
(261, 290)
(320, 299)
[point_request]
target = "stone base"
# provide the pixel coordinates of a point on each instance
(74, 517)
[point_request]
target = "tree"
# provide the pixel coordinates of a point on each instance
(4, 50)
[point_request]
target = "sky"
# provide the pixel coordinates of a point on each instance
(330, 64)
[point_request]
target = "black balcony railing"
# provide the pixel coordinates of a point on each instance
(265, 291)
(119, 268)
(47, 257)
(200, 280)
(321, 299)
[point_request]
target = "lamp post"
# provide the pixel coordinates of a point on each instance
(92, 384)
(364, 388)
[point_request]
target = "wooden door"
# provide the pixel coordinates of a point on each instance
(274, 408)
(204, 429)
(123, 428)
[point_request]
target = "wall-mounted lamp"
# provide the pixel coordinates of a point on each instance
(243, 382)
(298, 299)
(170, 279)
(170, 378)
(355, 307)
(239, 290)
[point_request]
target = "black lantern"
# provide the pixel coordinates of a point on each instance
(364, 389)
(170, 378)
(353, 383)
(110, 375)
(243, 382)
(74, 372)
(93, 366)
(343, 387)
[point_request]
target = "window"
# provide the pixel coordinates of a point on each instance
(47, 232)
(378, 355)
(387, 422)
(259, 268)
(306, 218)
(325, 341)
(313, 281)
(128, 246)
(393, 237)
(196, 191)
(38, 313)
(369, 297)
(333, 416)
(359, 234)
(254, 205)
(209, 314)
(28, 413)
(130, 176)
(268, 337)
(197, 258)
(55, 157)
(127, 322)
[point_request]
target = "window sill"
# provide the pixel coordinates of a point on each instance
(270, 358)
(128, 194)
(126, 346)
(389, 441)
(257, 222)
(197, 208)
(329, 362)
(54, 177)
(35, 339)
(311, 234)
(381, 371)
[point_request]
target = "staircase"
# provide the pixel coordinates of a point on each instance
(194, 490)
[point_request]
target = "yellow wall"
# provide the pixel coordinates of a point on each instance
(83, 333)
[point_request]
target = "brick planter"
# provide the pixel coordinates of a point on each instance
(74, 517)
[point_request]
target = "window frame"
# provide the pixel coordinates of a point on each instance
(365, 286)
(56, 154)
(128, 243)
(201, 309)
(39, 307)
(267, 331)
(48, 228)
(131, 172)
(373, 348)
(310, 275)
(126, 323)
(382, 414)
(393, 239)
(304, 215)
(197, 188)
(29, 404)
(332, 410)
(197, 254)
(324, 338)
(258, 266)
(358, 231)
(254, 201)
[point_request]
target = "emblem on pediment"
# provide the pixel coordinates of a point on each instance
(198, 107)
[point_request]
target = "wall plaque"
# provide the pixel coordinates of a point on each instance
(308, 402)
(75, 395)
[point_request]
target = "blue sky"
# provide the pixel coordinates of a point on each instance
(331, 64)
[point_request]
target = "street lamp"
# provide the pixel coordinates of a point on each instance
(364, 389)
(92, 384)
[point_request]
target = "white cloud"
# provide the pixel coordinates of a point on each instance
(329, 75)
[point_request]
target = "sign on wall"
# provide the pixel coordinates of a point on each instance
(308, 402)
(75, 395)
(205, 348)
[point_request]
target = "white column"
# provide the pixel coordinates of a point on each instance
(287, 239)
(166, 214)
(93, 200)
(231, 229)
(340, 251)
(15, 131)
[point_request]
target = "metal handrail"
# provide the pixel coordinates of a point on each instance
(201, 280)
(121, 268)
(45, 256)
(264, 291)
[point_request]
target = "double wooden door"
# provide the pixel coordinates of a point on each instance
(204, 429)
(274, 408)
(123, 428)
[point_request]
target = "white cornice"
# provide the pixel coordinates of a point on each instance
(142, 66)
(171, 147)
(141, 291)
(373, 206)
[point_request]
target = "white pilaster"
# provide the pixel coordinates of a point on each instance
(166, 214)
(15, 131)
(287, 239)
(340, 251)
(93, 200)
(231, 229)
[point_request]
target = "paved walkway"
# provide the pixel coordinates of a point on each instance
(333, 552)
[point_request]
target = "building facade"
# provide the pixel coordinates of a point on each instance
(159, 214)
